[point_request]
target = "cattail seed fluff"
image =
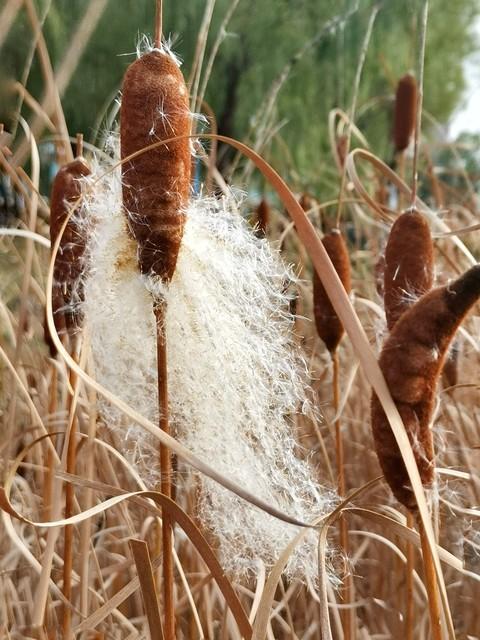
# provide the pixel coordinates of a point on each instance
(411, 361)
(156, 183)
(67, 294)
(329, 326)
(405, 112)
(409, 264)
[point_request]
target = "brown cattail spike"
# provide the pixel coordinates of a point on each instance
(409, 264)
(67, 294)
(306, 202)
(411, 361)
(329, 327)
(156, 184)
(405, 112)
(262, 217)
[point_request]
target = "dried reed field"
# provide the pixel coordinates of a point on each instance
(231, 407)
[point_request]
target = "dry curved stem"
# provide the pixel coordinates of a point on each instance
(263, 616)
(392, 177)
(147, 585)
(177, 515)
(334, 134)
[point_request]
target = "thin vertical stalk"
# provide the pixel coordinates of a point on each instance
(69, 505)
(418, 120)
(409, 570)
(347, 593)
(158, 24)
(50, 461)
(166, 472)
(431, 585)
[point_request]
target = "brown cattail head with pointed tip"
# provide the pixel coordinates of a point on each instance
(405, 112)
(329, 326)
(67, 294)
(156, 183)
(411, 361)
(409, 264)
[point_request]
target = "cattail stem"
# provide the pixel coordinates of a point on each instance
(79, 145)
(418, 121)
(158, 24)
(431, 585)
(50, 462)
(401, 175)
(347, 614)
(69, 506)
(409, 602)
(166, 472)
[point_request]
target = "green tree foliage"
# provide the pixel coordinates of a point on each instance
(263, 40)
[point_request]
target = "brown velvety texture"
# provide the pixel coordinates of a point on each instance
(450, 367)
(411, 361)
(405, 112)
(409, 264)
(156, 184)
(329, 327)
(67, 293)
(262, 217)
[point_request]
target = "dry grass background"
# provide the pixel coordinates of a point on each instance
(113, 578)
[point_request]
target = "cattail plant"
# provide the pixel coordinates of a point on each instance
(404, 112)
(411, 361)
(329, 326)
(330, 330)
(67, 299)
(67, 294)
(156, 188)
(409, 264)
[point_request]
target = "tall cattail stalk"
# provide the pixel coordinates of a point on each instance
(409, 264)
(411, 361)
(156, 186)
(330, 330)
(67, 296)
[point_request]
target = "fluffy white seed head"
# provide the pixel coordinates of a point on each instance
(235, 375)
